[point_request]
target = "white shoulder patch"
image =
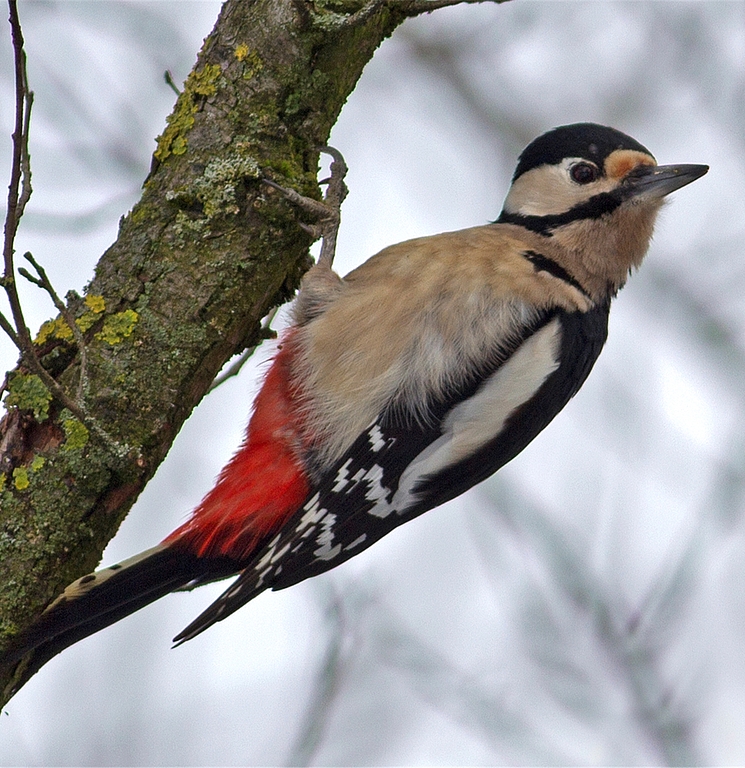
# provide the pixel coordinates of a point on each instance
(480, 418)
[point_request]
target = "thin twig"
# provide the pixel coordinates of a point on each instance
(235, 368)
(168, 77)
(44, 282)
(18, 173)
(19, 193)
(425, 6)
(26, 188)
(409, 7)
(8, 328)
(364, 13)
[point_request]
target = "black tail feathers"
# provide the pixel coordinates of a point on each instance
(102, 598)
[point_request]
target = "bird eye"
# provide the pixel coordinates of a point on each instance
(584, 173)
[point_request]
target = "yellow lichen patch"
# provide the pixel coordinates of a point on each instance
(95, 303)
(46, 330)
(56, 328)
(620, 162)
(38, 463)
(76, 434)
(22, 475)
(20, 478)
(86, 320)
(204, 82)
(28, 393)
(200, 83)
(172, 140)
(59, 329)
(118, 327)
(179, 145)
(241, 51)
(252, 63)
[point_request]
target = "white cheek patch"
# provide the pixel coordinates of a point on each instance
(478, 420)
(549, 191)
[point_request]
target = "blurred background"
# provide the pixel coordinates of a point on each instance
(584, 606)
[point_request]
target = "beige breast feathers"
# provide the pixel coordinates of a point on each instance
(461, 297)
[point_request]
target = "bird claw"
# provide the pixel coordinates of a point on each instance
(328, 212)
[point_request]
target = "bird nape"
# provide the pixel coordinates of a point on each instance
(400, 386)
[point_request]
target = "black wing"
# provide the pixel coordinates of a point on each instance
(398, 469)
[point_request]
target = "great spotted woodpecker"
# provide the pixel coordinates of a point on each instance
(400, 386)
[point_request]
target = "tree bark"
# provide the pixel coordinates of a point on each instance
(201, 258)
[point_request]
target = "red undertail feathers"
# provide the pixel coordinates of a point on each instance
(263, 484)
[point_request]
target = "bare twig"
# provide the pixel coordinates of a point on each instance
(361, 16)
(409, 7)
(8, 328)
(235, 368)
(19, 189)
(19, 193)
(424, 6)
(43, 282)
(168, 77)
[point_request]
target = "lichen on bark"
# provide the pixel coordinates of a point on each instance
(198, 261)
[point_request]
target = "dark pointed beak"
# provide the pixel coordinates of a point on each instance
(650, 182)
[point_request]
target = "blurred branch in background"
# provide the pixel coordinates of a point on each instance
(486, 711)
(576, 628)
(340, 643)
(632, 674)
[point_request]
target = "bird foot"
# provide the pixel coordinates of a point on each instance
(328, 212)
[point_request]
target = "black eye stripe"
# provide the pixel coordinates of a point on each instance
(597, 206)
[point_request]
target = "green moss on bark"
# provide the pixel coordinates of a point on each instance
(201, 258)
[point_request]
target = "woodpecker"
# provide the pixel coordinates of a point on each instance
(401, 385)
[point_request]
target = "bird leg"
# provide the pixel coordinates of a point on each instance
(328, 212)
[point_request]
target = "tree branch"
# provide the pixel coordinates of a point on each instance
(198, 262)
(19, 189)
(45, 284)
(19, 193)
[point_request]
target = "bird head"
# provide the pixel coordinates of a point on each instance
(595, 192)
